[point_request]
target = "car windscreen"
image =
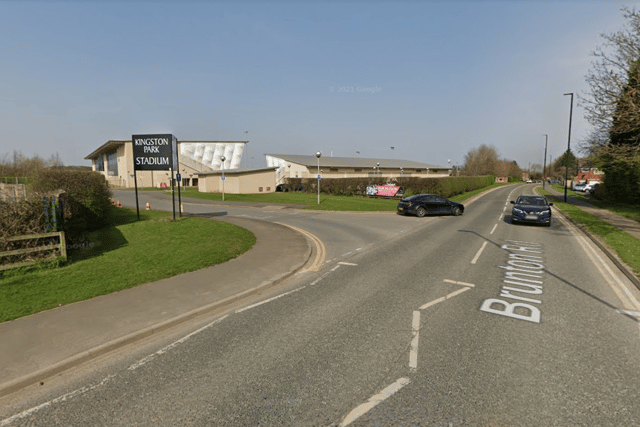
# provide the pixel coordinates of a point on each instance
(532, 201)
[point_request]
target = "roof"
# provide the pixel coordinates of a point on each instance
(112, 144)
(354, 162)
(237, 171)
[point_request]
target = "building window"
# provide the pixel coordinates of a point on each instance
(194, 182)
(418, 170)
(357, 170)
(112, 163)
(333, 169)
(99, 162)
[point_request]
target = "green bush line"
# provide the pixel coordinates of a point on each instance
(122, 255)
(623, 244)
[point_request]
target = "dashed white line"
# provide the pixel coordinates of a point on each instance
(415, 330)
(373, 401)
(493, 229)
(346, 263)
(475, 259)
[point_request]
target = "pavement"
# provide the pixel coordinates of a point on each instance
(625, 224)
(45, 344)
(42, 345)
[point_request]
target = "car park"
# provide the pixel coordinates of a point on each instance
(531, 209)
(424, 204)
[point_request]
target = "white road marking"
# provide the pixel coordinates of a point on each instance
(373, 401)
(454, 293)
(611, 278)
(459, 283)
(494, 228)
(415, 330)
(501, 216)
(269, 300)
(174, 344)
(434, 302)
(346, 263)
(475, 259)
(63, 398)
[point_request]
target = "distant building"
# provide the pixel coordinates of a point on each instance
(114, 159)
(299, 166)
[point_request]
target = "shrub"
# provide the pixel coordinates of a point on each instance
(85, 197)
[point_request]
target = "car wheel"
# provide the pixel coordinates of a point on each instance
(420, 212)
(456, 211)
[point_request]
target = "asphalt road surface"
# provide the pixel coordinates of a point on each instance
(438, 321)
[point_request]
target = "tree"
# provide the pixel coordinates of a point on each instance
(614, 110)
(483, 160)
(613, 74)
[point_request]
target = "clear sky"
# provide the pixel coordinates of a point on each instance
(433, 79)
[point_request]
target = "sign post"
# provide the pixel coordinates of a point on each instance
(153, 152)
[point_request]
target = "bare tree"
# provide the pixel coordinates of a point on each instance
(483, 160)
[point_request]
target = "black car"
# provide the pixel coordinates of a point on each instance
(534, 209)
(423, 204)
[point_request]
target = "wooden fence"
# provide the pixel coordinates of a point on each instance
(61, 245)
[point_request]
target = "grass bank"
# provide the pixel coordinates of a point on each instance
(624, 245)
(124, 254)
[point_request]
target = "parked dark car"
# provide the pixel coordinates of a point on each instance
(423, 204)
(533, 209)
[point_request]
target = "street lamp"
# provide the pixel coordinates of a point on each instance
(318, 154)
(378, 166)
(401, 171)
(566, 162)
(223, 159)
(544, 168)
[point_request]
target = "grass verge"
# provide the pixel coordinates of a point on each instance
(327, 202)
(125, 254)
(624, 245)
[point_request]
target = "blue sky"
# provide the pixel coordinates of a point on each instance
(433, 79)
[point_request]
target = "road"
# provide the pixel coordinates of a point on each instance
(440, 321)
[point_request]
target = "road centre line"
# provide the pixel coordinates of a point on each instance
(346, 263)
(374, 400)
(467, 286)
(475, 259)
(493, 229)
(321, 251)
(413, 353)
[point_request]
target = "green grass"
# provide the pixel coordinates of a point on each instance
(628, 210)
(121, 256)
(624, 245)
(327, 202)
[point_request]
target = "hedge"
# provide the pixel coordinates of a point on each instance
(444, 186)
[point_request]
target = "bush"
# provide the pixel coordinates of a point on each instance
(445, 186)
(85, 195)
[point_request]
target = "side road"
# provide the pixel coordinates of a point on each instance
(39, 346)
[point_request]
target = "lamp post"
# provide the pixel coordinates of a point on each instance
(378, 166)
(318, 155)
(566, 162)
(544, 168)
(223, 159)
(401, 171)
